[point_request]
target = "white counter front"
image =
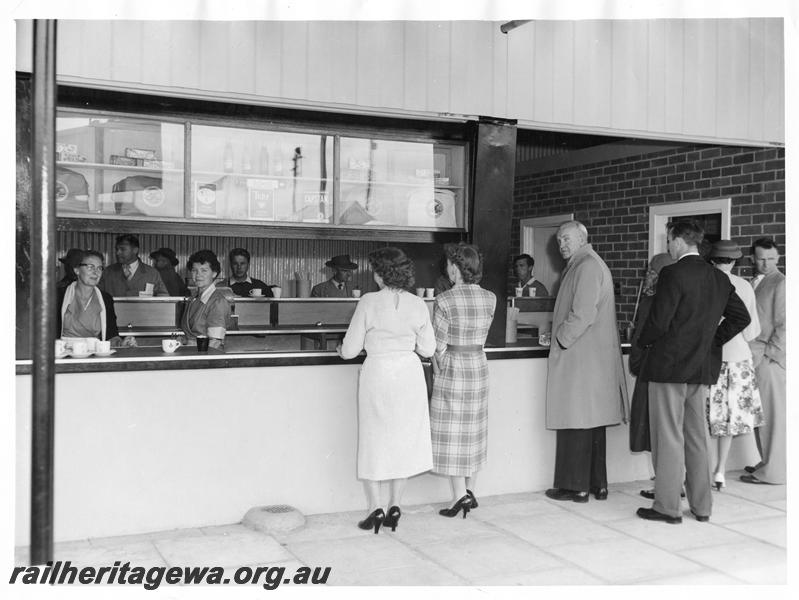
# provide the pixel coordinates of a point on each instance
(139, 451)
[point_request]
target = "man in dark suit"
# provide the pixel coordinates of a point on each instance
(683, 336)
(339, 285)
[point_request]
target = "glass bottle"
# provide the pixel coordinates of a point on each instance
(227, 158)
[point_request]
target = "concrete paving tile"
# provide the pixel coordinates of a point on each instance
(773, 530)
(224, 529)
(138, 554)
(756, 493)
(779, 505)
(419, 574)
(625, 560)
(618, 506)
(490, 555)
(244, 548)
(560, 576)
(562, 527)
(61, 551)
(700, 578)
(329, 526)
(424, 529)
(691, 534)
(516, 498)
(729, 508)
(352, 559)
(752, 562)
(168, 534)
(532, 505)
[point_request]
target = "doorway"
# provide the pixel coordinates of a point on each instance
(539, 239)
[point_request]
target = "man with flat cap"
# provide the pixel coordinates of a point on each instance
(165, 260)
(339, 285)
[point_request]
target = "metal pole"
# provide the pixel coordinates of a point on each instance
(43, 290)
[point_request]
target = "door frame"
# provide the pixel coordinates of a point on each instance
(527, 229)
(659, 216)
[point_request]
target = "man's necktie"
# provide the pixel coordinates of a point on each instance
(126, 271)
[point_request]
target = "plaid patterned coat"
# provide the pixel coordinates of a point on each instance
(459, 406)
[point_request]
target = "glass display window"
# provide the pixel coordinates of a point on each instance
(248, 174)
(400, 183)
(118, 166)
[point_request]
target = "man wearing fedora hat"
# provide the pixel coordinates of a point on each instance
(337, 286)
(165, 261)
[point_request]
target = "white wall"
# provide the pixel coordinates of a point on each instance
(706, 79)
(152, 450)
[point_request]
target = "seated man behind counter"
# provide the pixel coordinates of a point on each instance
(239, 281)
(523, 269)
(339, 285)
(129, 275)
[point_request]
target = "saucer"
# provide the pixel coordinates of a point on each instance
(86, 355)
(62, 355)
(104, 354)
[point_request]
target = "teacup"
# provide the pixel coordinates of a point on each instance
(356, 293)
(277, 292)
(80, 348)
(429, 292)
(102, 347)
(420, 292)
(255, 292)
(519, 291)
(170, 346)
(91, 344)
(60, 347)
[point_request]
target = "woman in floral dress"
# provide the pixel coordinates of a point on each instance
(734, 406)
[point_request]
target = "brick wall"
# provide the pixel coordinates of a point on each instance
(613, 198)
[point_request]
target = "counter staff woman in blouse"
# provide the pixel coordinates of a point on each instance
(393, 326)
(85, 310)
(208, 312)
(459, 406)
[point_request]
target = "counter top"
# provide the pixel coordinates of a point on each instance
(187, 357)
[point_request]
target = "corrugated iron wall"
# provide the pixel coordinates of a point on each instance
(273, 260)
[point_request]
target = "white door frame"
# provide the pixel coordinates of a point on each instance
(659, 216)
(527, 229)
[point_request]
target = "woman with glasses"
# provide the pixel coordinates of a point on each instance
(84, 310)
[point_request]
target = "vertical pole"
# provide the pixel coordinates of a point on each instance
(493, 172)
(43, 290)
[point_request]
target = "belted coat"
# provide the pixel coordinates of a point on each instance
(586, 383)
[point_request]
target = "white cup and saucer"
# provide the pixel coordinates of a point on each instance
(103, 348)
(170, 345)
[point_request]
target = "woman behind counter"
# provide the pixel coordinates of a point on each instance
(85, 310)
(459, 406)
(207, 313)
(393, 422)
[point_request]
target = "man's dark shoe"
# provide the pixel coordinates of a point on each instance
(561, 494)
(650, 494)
(700, 518)
(752, 479)
(600, 493)
(650, 514)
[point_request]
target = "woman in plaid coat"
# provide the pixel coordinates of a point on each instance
(459, 406)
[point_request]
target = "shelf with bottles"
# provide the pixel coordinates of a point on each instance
(108, 167)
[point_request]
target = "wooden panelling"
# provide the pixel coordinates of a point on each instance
(273, 260)
(704, 78)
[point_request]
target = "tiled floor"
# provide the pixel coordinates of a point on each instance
(516, 539)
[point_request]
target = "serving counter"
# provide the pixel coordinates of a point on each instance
(147, 442)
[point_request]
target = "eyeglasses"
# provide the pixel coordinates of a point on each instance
(92, 268)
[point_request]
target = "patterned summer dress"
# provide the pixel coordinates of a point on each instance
(734, 406)
(459, 406)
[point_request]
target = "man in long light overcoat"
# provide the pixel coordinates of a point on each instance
(586, 385)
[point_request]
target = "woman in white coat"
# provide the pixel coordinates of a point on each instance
(394, 328)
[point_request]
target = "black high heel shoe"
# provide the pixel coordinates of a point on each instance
(393, 517)
(374, 520)
(474, 500)
(464, 504)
